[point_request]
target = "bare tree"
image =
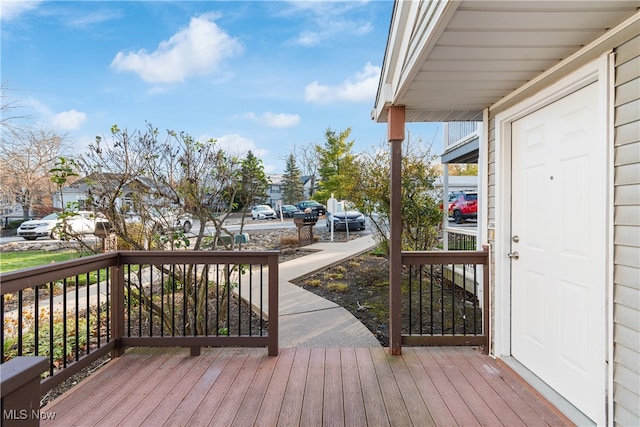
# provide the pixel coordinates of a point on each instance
(10, 113)
(27, 156)
(139, 174)
(309, 161)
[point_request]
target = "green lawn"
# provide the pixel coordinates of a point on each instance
(17, 260)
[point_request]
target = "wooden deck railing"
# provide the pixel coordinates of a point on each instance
(76, 312)
(445, 298)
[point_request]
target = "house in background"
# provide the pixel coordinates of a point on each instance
(556, 86)
(274, 192)
(79, 193)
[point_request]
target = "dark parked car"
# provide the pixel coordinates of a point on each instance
(463, 206)
(287, 211)
(316, 207)
(354, 218)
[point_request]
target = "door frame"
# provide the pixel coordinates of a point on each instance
(600, 71)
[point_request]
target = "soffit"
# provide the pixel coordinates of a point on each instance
(447, 61)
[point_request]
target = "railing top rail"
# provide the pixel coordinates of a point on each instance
(14, 281)
(196, 257)
(444, 257)
(464, 231)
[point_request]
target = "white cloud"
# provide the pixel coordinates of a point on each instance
(330, 19)
(195, 50)
(68, 120)
(274, 120)
(87, 20)
(236, 145)
(10, 9)
(358, 88)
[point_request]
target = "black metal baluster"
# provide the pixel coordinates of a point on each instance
(108, 283)
(51, 343)
(36, 323)
(184, 300)
(98, 319)
(150, 300)
(239, 299)
(88, 328)
(195, 299)
(77, 320)
(173, 299)
(64, 321)
(217, 299)
(453, 299)
(420, 301)
(431, 295)
(410, 299)
(250, 296)
(2, 328)
(20, 326)
(228, 299)
(442, 299)
(475, 300)
(261, 299)
(206, 299)
(140, 284)
(162, 279)
(464, 299)
(128, 300)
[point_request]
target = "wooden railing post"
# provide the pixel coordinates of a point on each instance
(273, 305)
(20, 388)
(486, 313)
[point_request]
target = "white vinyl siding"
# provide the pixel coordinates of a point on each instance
(626, 274)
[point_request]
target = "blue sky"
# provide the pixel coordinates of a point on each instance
(263, 76)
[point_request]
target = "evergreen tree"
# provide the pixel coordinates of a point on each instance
(292, 188)
(253, 181)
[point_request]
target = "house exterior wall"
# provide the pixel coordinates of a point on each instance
(626, 227)
(626, 268)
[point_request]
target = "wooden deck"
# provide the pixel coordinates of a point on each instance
(441, 386)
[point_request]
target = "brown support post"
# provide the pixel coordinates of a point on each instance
(117, 308)
(486, 314)
(395, 123)
(273, 305)
(20, 386)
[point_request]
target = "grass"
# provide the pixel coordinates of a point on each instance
(338, 287)
(10, 261)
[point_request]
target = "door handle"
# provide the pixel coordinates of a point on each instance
(513, 255)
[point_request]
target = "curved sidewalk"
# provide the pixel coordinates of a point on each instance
(307, 320)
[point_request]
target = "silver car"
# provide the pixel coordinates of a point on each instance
(354, 219)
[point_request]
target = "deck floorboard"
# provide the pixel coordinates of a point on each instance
(303, 387)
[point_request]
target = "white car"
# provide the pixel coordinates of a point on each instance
(82, 222)
(263, 212)
(164, 221)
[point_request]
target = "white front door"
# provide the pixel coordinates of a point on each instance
(559, 214)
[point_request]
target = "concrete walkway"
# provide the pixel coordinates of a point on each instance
(307, 320)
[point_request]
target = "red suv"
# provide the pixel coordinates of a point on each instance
(463, 205)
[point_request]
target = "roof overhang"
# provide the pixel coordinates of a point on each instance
(449, 60)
